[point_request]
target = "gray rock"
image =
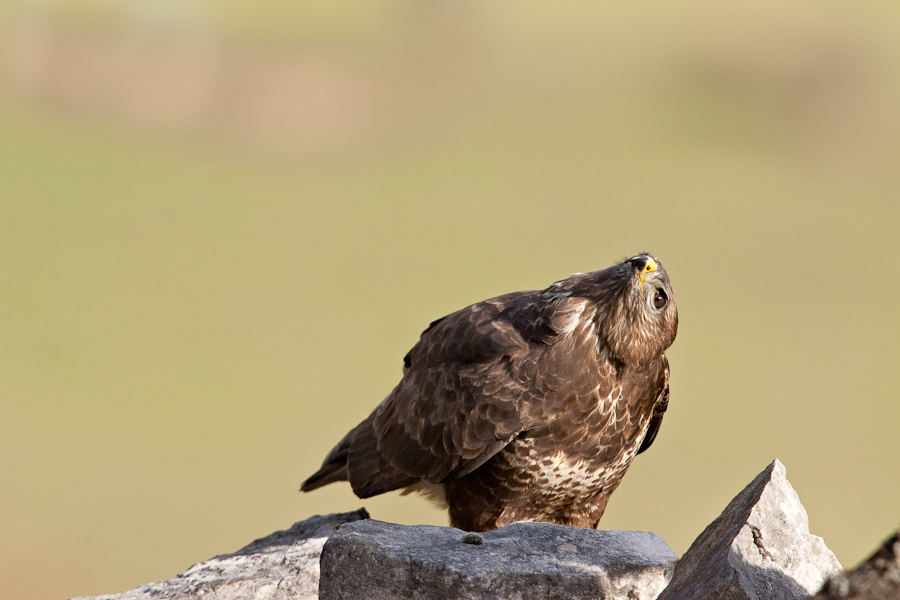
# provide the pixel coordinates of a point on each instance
(759, 548)
(878, 578)
(279, 566)
(373, 560)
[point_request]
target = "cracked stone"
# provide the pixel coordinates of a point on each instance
(759, 548)
(373, 560)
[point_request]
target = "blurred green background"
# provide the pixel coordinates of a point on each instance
(223, 224)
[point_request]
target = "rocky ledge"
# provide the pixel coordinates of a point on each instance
(759, 548)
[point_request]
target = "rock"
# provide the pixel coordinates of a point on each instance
(876, 579)
(373, 560)
(279, 566)
(759, 548)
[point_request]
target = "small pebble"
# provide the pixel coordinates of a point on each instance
(472, 538)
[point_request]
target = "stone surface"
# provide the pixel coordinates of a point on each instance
(279, 566)
(759, 548)
(373, 560)
(878, 578)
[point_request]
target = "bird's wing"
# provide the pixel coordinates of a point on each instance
(661, 390)
(466, 393)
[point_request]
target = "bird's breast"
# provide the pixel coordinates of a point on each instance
(578, 452)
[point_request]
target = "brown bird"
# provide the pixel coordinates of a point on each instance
(525, 407)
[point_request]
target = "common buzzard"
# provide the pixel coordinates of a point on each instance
(525, 407)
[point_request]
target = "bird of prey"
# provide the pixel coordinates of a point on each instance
(526, 407)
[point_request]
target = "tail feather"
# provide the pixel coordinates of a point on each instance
(334, 467)
(367, 470)
(329, 473)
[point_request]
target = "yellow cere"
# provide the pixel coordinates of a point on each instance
(650, 266)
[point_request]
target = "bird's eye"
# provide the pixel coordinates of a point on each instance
(660, 299)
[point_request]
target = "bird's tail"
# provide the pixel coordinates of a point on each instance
(334, 468)
(329, 473)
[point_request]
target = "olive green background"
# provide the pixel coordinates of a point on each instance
(192, 313)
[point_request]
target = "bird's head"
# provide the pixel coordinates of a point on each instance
(636, 314)
(648, 316)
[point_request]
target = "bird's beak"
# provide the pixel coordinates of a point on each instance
(648, 268)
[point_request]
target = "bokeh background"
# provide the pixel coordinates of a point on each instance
(223, 224)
